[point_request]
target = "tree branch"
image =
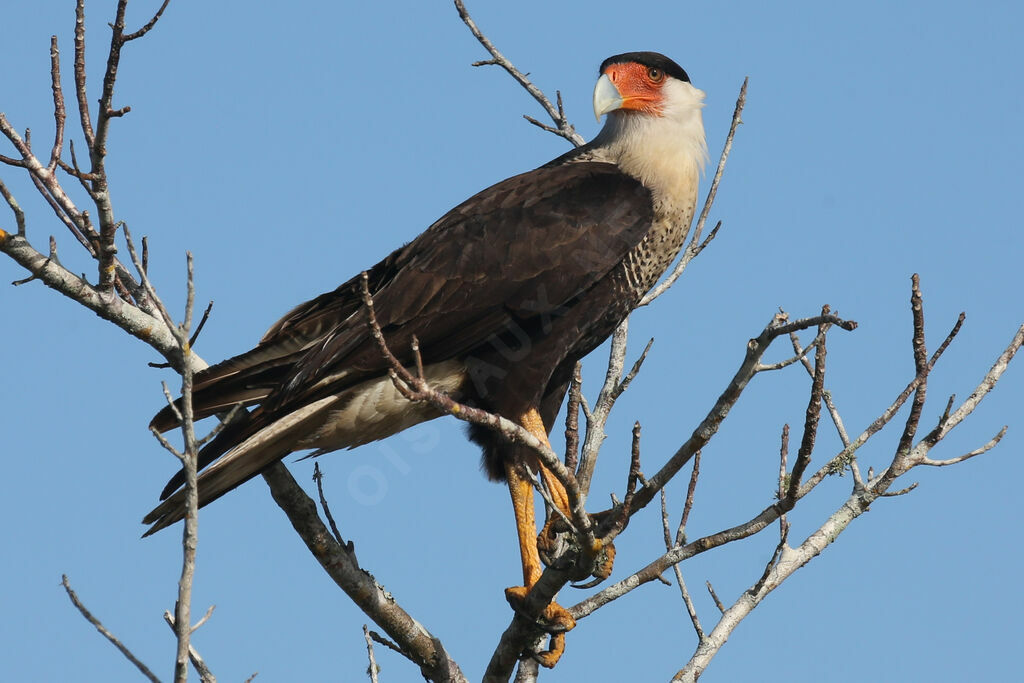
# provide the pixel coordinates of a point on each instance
(562, 126)
(695, 246)
(106, 632)
(377, 603)
(205, 675)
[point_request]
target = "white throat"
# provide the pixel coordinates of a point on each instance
(666, 153)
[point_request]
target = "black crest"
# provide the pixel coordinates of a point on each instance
(652, 59)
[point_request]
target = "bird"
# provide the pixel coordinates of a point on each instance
(503, 295)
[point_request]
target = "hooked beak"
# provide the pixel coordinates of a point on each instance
(606, 97)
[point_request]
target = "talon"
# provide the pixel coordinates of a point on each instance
(550, 657)
(558, 618)
(516, 595)
(604, 561)
(546, 539)
(555, 619)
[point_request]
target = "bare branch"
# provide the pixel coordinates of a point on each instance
(190, 531)
(851, 460)
(920, 364)
(378, 638)
(59, 114)
(149, 24)
(572, 418)
(318, 477)
(979, 393)
(810, 433)
(756, 348)
(201, 325)
(373, 668)
(422, 647)
(688, 504)
(693, 248)
(219, 427)
(206, 618)
(714, 596)
(205, 675)
(683, 592)
(597, 418)
(80, 90)
(631, 375)
(528, 669)
(562, 126)
(106, 633)
(845, 456)
(989, 445)
(19, 215)
(129, 318)
(901, 492)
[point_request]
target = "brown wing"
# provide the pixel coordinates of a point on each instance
(522, 248)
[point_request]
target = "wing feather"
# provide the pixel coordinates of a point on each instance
(520, 249)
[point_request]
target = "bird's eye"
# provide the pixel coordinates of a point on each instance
(655, 75)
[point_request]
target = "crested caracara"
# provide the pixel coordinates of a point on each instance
(505, 293)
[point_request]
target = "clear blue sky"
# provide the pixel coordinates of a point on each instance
(291, 146)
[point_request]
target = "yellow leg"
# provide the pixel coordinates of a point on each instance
(521, 490)
(533, 424)
(526, 525)
(560, 498)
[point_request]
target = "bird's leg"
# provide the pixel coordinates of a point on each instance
(600, 558)
(521, 489)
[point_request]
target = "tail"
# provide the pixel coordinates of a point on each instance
(242, 462)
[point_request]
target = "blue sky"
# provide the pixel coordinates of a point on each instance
(291, 147)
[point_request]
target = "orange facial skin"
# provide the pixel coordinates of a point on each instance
(640, 86)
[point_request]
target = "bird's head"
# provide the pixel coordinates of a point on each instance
(653, 115)
(638, 82)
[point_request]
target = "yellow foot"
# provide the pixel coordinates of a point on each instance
(550, 657)
(555, 619)
(604, 560)
(547, 537)
(597, 563)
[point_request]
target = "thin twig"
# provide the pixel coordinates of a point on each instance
(634, 467)
(206, 618)
(756, 347)
(989, 445)
(803, 457)
(691, 610)
(695, 246)
(221, 424)
(148, 25)
(59, 113)
(372, 669)
(572, 418)
(691, 489)
(921, 366)
(190, 532)
(563, 127)
(205, 675)
(19, 215)
(714, 596)
(378, 638)
(783, 475)
(318, 477)
(202, 323)
(633, 371)
(106, 633)
(80, 89)
(598, 416)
